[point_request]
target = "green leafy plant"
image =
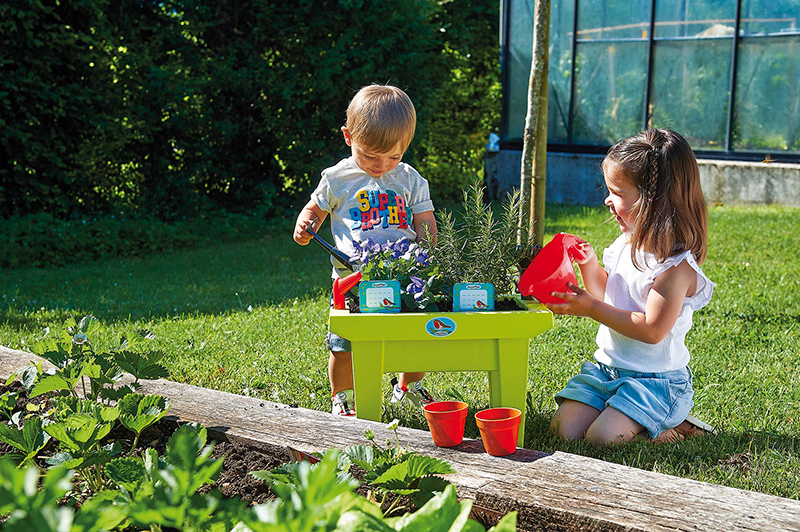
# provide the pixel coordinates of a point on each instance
(481, 248)
(137, 412)
(163, 491)
(7, 403)
(98, 374)
(30, 439)
(398, 471)
(79, 436)
(33, 505)
(317, 497)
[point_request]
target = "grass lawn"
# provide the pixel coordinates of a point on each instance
(250, 317)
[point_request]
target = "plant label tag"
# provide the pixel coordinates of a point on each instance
(473, 297)
(379, 296)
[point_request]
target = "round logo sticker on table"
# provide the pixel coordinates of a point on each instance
(440, 326)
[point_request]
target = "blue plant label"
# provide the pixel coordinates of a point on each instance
(440, 326)
(379, 296)
(473, 297)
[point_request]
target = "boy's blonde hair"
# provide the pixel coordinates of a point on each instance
(672, 215)
(381, 117)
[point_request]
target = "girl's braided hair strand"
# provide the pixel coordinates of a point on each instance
(652, 185)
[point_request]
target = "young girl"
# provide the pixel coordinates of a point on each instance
(644, 299)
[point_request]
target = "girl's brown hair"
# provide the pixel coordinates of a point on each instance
(381, 117)
(671, 212)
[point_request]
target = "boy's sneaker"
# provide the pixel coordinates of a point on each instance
(414, 392)
(344, 404)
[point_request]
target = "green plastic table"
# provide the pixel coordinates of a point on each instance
(495, 342)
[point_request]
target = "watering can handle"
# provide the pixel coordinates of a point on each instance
(576, 248)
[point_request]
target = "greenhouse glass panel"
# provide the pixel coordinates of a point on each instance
(676, 19)
(609, 91)
(613, 19)
(770, 17)
(518, 65)
(690, 89)
(520, 47)
(561, 18)
(767, 98)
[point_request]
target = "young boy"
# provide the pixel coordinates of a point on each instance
(371, 194)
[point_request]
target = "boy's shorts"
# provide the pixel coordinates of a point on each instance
(334, 342)
(657, 401)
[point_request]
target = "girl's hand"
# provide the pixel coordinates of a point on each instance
(582, 252)
(580, 303)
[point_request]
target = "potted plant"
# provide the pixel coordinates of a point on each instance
(480, 249)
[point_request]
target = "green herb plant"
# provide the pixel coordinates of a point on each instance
(482, 248)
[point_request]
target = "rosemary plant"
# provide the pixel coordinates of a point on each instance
(482, 248)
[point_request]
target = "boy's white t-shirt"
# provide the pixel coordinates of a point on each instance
(361, 206)
(627, 288)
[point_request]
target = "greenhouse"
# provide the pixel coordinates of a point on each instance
(724, 73)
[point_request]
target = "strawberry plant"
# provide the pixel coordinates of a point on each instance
(137, 412)
(30, 439)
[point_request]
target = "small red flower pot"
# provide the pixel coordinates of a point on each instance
(499, 429)
(446, 420)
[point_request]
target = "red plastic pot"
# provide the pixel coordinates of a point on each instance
(499, 429)
(551, 270)
(446, 420)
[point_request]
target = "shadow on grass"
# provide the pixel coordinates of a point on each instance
(219, 279)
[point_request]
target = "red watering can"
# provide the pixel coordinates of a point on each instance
(551, 269)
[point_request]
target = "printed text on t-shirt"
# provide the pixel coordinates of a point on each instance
(376, 208)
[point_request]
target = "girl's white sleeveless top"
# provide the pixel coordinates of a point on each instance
(627, 288)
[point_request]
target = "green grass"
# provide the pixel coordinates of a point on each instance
(250, 317)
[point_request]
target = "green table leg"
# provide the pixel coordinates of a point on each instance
(508, 385)
(367, 378)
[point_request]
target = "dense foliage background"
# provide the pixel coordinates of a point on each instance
(163, 110)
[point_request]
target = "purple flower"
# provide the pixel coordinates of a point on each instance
(400, 247)
(421, 257)
(417, 287)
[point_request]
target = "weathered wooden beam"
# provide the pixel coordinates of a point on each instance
(558, 491)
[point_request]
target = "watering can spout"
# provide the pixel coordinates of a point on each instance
(343, 285)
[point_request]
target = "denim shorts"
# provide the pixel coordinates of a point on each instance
(334, 342)
(657, 401)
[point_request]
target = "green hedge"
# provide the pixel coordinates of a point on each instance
(167, 109)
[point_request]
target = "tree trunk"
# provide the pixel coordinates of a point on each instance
(534, 141)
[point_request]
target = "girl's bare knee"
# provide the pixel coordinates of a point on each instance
(603, 435)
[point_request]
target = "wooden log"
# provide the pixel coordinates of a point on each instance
(558, 491)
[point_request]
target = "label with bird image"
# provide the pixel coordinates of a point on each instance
(379, 296)
(473, 297)
(440, 326)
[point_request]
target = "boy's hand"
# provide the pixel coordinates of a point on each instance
(301, 236)
(580, 303)
(309, 216)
